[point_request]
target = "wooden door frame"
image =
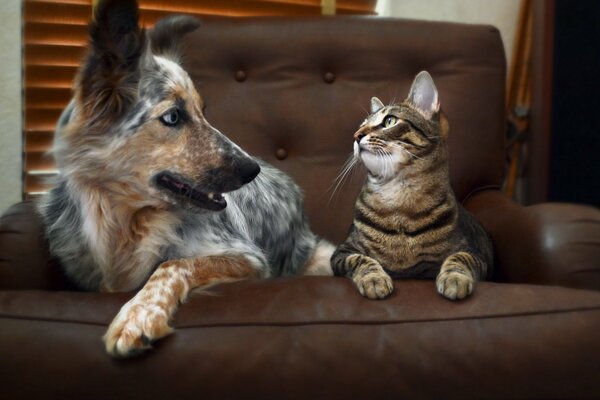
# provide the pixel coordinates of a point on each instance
(538, 170)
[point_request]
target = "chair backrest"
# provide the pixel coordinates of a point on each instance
(294, 90)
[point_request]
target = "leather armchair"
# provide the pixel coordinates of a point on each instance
(293, 91)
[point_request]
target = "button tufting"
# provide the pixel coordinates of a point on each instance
(240, 76)
(329, 77)
(281, 154)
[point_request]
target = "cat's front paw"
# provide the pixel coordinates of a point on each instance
(135, 328)
(454, 285)
(374, 285)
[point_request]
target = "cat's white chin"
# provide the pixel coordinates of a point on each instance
(384, 167)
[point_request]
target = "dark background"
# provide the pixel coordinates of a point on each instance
(575, 139)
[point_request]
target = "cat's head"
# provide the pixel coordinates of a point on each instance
(408, 135)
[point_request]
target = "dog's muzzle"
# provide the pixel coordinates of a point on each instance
(247, 170)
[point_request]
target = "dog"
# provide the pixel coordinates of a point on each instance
(150, 196)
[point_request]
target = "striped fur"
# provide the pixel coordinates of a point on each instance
(150, 196)
(407, 222)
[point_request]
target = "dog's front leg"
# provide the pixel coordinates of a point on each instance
(146, 316)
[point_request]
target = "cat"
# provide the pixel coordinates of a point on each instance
(407, 222)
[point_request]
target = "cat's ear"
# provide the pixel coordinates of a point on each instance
(376, 105)
(424, 95)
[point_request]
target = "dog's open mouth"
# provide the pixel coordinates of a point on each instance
(183, 191)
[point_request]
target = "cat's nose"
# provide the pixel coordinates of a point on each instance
(359, 135)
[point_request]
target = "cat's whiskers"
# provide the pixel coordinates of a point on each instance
(387, 160)
(399, 147)
(382, 144)
(339, 180)
(381, 155)
(367, 112)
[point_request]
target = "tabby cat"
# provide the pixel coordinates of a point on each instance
(407, 222)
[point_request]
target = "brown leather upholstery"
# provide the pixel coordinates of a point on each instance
(293, 92)
(312, 338)
(550, 244)
(24, 259)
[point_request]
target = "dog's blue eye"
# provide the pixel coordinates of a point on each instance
(170, 118)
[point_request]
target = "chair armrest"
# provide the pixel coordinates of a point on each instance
(24, 259)
(550, 244)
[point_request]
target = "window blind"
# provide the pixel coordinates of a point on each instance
(55, 33)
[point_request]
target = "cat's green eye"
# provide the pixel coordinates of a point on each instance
(389, 121)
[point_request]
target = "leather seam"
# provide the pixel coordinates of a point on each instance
(329, 322)
(479, 189)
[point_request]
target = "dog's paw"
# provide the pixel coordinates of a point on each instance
(375, 285)
(135, 328)
(454, 285)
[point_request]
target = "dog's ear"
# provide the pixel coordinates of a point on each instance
(109, 77)
(167, 33)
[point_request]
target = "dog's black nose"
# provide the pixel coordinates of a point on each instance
(247, 169)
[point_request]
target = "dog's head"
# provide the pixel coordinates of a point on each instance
(137, 124)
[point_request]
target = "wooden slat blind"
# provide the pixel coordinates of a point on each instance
(55, 33)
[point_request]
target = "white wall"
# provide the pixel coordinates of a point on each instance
(10, 103)
(503, 14)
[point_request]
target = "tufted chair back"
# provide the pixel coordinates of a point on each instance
(293, 92)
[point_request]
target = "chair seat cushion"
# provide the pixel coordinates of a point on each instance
(312, 337)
